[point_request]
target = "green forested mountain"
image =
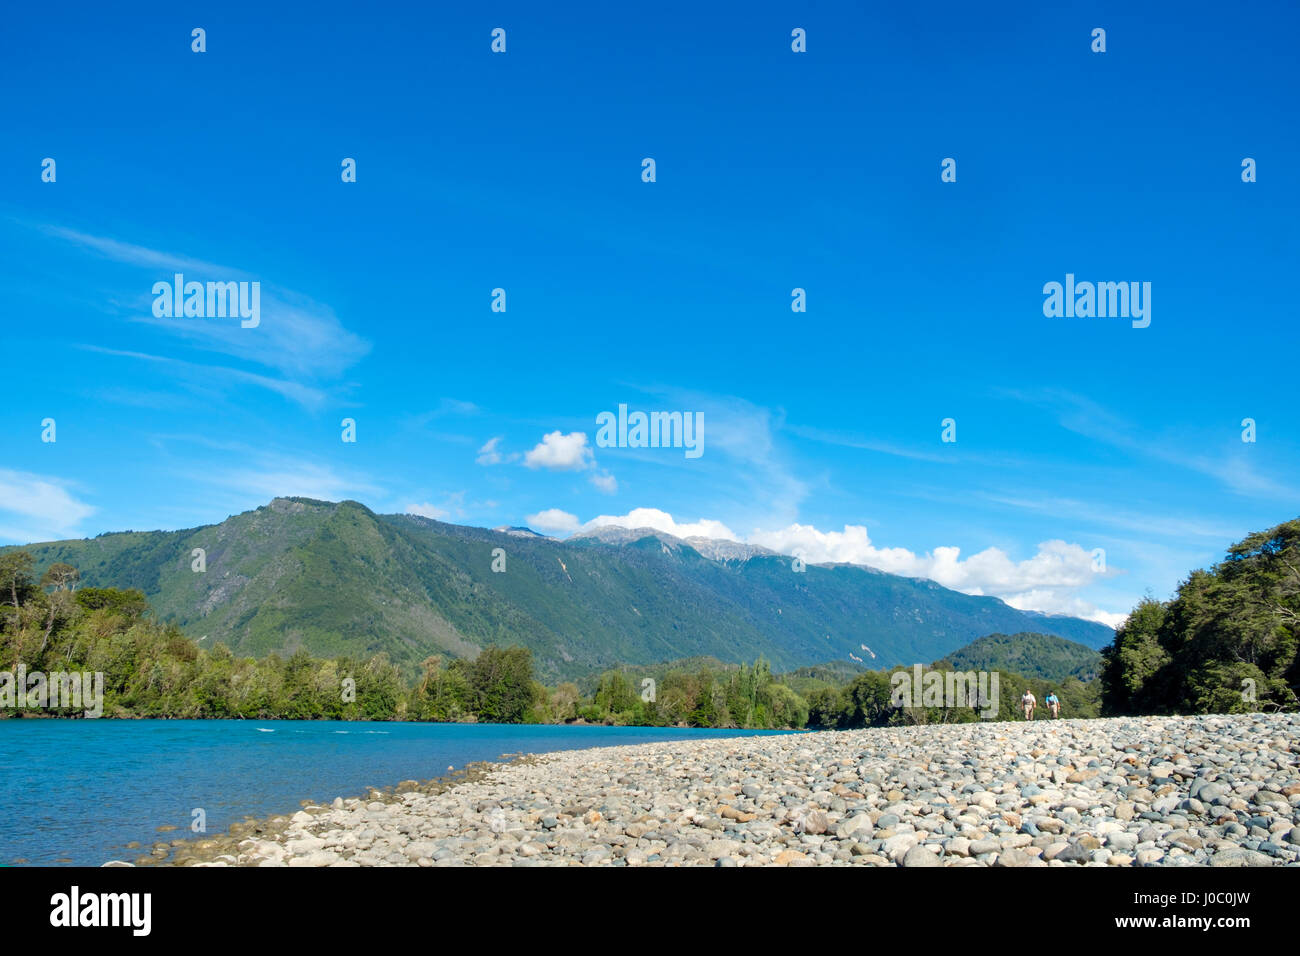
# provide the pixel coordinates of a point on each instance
(1033, 655)
(1226, 643)
(338, 579)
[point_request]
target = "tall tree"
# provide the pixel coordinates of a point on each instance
(61, 577)
(15, 574)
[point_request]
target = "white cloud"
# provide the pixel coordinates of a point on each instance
(1057, 564)
(427, 510)
(605, 482)
(559, 452)
(553, 519)
(850, 546)
(1046, 582)
(37, 508)
(663, 521)
(1051, 602)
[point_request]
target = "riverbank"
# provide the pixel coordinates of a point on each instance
(1169, 791)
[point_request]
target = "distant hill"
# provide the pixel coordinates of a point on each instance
(833, 674)
(336, 578)
(1029, 654)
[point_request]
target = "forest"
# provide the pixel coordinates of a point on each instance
(1226, 642)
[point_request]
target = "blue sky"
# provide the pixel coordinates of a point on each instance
(775, 170)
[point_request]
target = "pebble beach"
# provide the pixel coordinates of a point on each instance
(1154, 791)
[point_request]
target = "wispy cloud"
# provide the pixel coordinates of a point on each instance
(1229, 467)
(453, 505)
(38, 508)
(297, 336)
(865, 444)
(282, 478)
(447, 407)
(300, 338)
(1145, 522)
(264, 475)
(490, 454)
(741, 437)
(128, 252)
(205, 377)
(426, 510)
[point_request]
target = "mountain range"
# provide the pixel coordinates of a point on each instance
(339, 579)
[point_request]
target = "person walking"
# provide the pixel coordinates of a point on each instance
(1053, 704)
(1027, 704)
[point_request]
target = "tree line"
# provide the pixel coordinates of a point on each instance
(152, 669)
(1226, 642)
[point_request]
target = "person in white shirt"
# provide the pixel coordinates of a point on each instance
(1027, 703)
